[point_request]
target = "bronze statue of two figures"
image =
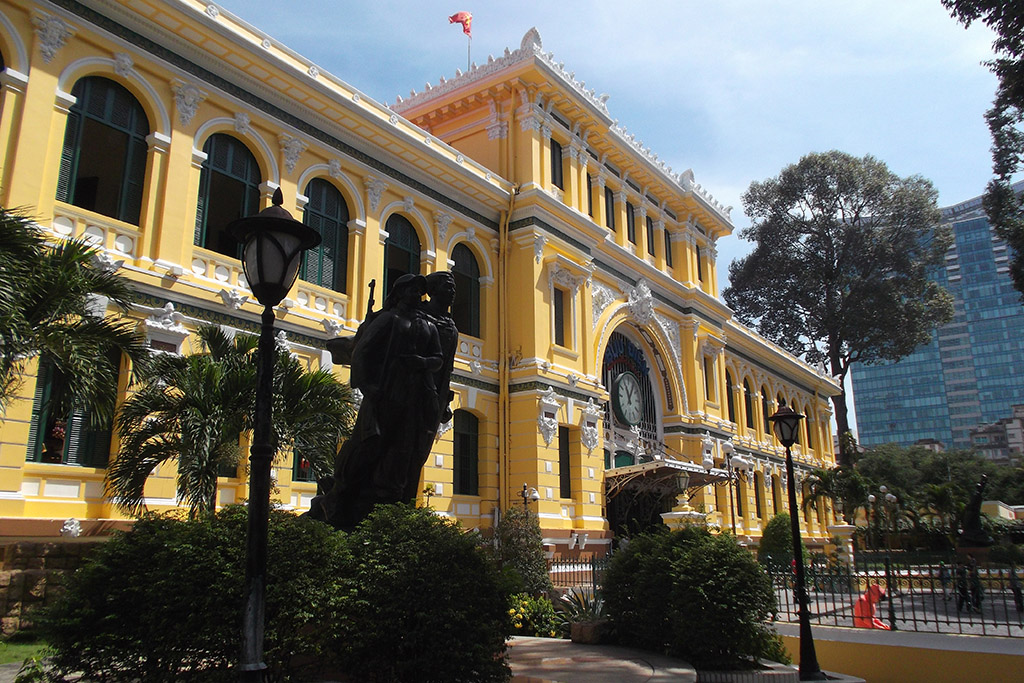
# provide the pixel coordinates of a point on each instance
(401, 359)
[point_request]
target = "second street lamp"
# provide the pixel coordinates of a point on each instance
(272, 246)
(786, 423)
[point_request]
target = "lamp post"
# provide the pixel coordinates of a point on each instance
(889, 505)
(527, 495)
(272, 245)
(786, 423)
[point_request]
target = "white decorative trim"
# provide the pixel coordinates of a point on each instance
(233, 299)
(590, 436)
(334, 168)
(547, 419)
(601, 297)
(442, 221)
(123, 64)
(538, 247)
(243, 123)
(332, 327)
(187, 98)
(52, 32)
(640, 302)
(374, 189)
(292, 148)
(560, 275)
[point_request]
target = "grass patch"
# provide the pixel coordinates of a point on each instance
(17, 650)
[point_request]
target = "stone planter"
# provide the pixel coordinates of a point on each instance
(589, 632)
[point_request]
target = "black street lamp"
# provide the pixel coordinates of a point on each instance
(786, 423)
(272, 245)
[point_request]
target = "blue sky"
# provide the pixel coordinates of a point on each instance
(734, 90)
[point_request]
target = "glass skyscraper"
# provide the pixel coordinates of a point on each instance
(972, 371)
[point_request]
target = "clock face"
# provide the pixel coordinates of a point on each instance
(626, 399)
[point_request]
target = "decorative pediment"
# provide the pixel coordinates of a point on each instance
(640, 302)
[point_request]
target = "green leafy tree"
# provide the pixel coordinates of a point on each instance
(52, 304)
(839, 271)
(776, 548)
(521, 551)
(193, 409)
(1005, 118)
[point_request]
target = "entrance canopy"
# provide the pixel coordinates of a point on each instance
(661, 476)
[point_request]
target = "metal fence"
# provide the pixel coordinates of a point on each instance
(930, 598)
(576, 573)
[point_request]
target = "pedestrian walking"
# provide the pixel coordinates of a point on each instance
(944, 580)
(963, 591)
(975, 585)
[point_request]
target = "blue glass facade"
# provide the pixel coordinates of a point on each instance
(973, 369)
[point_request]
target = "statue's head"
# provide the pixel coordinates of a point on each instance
(408, 289)
(441, 287)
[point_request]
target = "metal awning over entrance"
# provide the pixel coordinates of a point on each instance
(637, 495)
(660, 475)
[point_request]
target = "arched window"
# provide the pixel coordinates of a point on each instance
(466, 308)
(748, 404)
(103, 160)
(229, 188)
(466, 449)
(776, 495)
(730, 400)
(327, 213)
(401, 251)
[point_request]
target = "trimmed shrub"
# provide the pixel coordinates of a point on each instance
(420, 602)
(521, 553)
(776, 548)
(163, 601)
(693, 595)
(533, 616)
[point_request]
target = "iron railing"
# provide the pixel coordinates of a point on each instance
(930, 598)
(577, 573)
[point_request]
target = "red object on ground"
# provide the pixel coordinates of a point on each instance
(464, 18)
(864, 610)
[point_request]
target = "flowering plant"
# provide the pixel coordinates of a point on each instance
(58, 430)
(532, 616)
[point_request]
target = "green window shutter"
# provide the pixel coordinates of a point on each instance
(69, 156)
(199, 236)
(40, 411)
(564, 464)
(466, 428)
(134, 181)
(77, 425)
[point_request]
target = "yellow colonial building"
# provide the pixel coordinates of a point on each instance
(599, 379)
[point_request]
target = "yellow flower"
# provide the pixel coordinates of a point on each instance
(511, 612)
(518, 625)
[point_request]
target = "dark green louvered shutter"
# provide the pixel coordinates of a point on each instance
(69, 156)
(40, 411)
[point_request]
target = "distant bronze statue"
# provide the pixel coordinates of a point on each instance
(401, 357)
(972, 535)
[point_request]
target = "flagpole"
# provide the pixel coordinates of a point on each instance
(469, 48)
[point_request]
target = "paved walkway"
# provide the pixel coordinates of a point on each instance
(535, 660)
(550, 660)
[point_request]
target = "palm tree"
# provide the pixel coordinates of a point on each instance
(842, 485)
(52, 305)
(942, 502)
(193, 409)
